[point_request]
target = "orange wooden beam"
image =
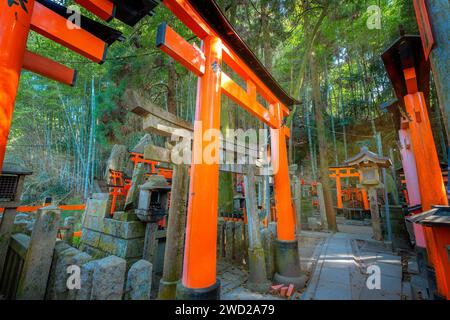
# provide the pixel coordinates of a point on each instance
(104, 9)
(189, 16)
(49, 68)
(27, 209)
(238, 95)
(55, 27)
(182, 51)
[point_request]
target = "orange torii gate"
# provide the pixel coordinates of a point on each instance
(55, 22)
(346, 172)
(222, 45)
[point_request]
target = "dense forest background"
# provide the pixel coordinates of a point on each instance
(64, 135)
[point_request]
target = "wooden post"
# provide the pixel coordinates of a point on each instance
(173, 258)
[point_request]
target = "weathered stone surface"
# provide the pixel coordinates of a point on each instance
(87, 274)
(60, 246)
(145, 141)
(125, 216)
(268, 246)
(124, 230)
(69, 224)
(96, 210)
(229, 240)
(33, 281)
(118, 160)
(22, 217)
(6, 230)
(100, 196)
(20, 226)
(220, 238)
(137, 180)
(150, 249)
(120, 247)
(239, 242)
(90, 237)
(108, 279)
(94, 252)
(57, 289)
(139, 281)
(79, 259)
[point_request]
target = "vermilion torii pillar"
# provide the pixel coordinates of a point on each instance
(222, 45)
(199, 270)
(409, 166)
(15, 19)
(409, 73)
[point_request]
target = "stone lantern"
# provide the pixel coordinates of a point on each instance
(368, 164)
(153, 207)
(11, 185)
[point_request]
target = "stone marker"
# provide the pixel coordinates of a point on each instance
(36, 268)
(6, 229)
(80, 259)
(257, 276)
(108, 279)
(229, 241)
(150, 251)
(239, 242)
(137, 180)
(69, 224)
(139, 281)
(176, 226)
(220, 238)
(268, 246)
(87, 275)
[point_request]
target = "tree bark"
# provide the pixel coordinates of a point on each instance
(323, 147)
(171, 84)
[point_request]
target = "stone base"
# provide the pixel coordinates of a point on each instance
(211, 293)
(298, 282)
(167, 290)
(257, 278)
(287, 264)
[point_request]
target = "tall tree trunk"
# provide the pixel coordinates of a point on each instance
(171, 84)
(323, 147)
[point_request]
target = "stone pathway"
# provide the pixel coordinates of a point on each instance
(340, 272)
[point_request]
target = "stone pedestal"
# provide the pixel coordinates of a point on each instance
(121, 235)
(287, 264)
(211, 293)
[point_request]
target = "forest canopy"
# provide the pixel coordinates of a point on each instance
(64, 134)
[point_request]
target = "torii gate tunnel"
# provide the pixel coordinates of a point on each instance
(221, 45)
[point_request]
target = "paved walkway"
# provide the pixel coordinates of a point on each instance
(340, 272)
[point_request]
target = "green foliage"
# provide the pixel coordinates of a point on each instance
(51, 126)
